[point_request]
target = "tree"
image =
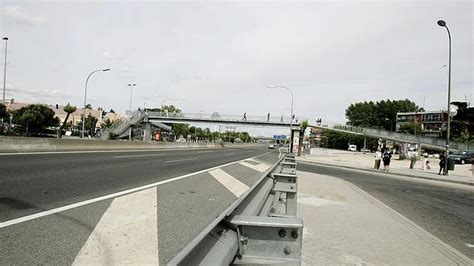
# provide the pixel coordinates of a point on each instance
(303, 127)
(3, 111)
(107, 123)
(90, 124)
(370, 114)
(34, 119)
(88, 106)
(180, 130)
(412, 128)
(165, 108)
(68, 109)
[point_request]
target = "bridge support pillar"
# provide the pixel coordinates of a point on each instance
(146, 131)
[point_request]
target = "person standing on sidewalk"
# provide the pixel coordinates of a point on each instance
(442, 164)
(412, 155)
(378, 158)
(386, 160)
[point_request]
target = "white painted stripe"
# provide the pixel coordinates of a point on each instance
(113, 195)
(231, 183)
(260, 167)
(469, 245)
(181, 160)
(138, 155)
(203, 151)
(106, 151)
(127, 233)
(230, 153)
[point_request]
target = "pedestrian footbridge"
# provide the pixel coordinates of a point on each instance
(159, 120)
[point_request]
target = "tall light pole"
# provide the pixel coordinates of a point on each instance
(85, 99)
(131, 85)
(5, 68)
(442, 23)
(4, 78)
(291, 119)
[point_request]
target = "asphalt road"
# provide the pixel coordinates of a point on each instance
(445, 210)
(37, 182)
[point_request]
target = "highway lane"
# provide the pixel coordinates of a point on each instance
(445, 210)
(30, 183)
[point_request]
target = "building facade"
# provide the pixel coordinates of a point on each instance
(431, 124)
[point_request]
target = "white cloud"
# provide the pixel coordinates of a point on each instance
(21, 15)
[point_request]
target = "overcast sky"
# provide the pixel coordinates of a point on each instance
(219, 57)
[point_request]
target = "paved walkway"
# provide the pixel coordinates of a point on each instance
(462, 174)
(344, 225)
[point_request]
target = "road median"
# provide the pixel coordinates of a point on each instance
(24, 144)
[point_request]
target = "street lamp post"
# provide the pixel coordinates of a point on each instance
(291, 119)
(391, 124)
(4, 77)
(442, 23)
(5, 68)
(85, 99)
(131, 85)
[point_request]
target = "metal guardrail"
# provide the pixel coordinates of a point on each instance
(260, 227)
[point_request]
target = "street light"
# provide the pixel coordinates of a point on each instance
(4, 77)
(442, 23)
(5, 68)
(85, 99)
(131, 85)
(291, 120)
(391, 124)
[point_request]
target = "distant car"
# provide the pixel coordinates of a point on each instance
(463, 157)
(271, 146)
(352, 148)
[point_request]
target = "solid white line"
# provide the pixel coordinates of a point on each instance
(181, 160)
(105, 151)
(113, 195)
(230, 153)
(231, 183)
(128, 229)
(203, 151)
(138, 155)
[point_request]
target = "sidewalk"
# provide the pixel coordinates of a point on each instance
(344, 225)
(462, 174)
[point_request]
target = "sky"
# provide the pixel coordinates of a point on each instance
(214, 56)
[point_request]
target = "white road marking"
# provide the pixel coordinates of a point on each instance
(469, 245)
(260, 167)
(127, 233)
(231, 183)
(230, 153)
(102, 151)
(181, 160)
(113, 195)
(138, 155)
(203, 151)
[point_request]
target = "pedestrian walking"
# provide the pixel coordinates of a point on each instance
(412, 155)
(442, 164)
(386, 160)
(245, 117)
(378, 158)
(268, 117)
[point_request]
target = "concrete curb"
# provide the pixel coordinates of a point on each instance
(388, 173)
